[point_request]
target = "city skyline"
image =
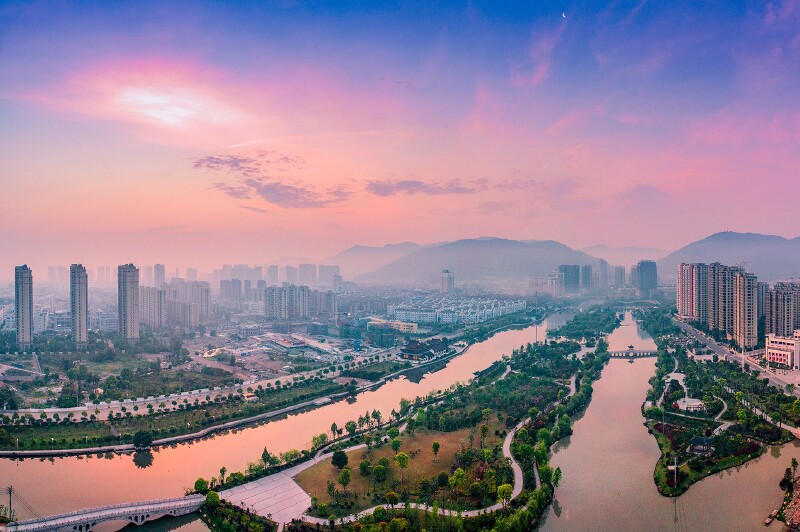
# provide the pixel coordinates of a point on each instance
(273, 124)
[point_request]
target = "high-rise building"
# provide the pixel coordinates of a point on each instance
(291, 275)
(191, 274)
(763, 288)
(23, 305)
(586, 277)
(647, 273)
(128, 302)
(602, 274)
(308, 274)
(745, 310)
(692, 292)
(273, 279)
(147, 276)
(327, 274)
(782, 309)
(79, 304)
(571, 274)
(153, 306)
(619, 277)
(51, 275)
(447, 283)
(103, 275)
(159, 275)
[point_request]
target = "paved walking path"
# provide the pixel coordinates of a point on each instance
(725, 424)
(280, 498)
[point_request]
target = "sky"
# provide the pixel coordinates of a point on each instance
(202, 133)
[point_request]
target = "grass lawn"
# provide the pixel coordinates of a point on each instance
(422, 465)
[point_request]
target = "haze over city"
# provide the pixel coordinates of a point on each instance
(163, 131)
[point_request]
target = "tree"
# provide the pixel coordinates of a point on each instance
(484, 433)
(212, 499)
(222, 471)
(393, 432)
(435, 450)
(351, 427)
(334, 430)
(396, 443)
(344, 478)
(556, 477)
(339, 459)
(379, 473)
(142, 439)
(401, 459)
(794, 466)
(201, 485)
(365, 467)
(504, 493)
(266, 458)
(457, 480)
(392, 498)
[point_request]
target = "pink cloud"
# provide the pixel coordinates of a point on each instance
(540, 54)
(576, 118)
(734, 127)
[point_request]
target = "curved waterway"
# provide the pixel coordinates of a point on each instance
(66, 484)
(608, 465)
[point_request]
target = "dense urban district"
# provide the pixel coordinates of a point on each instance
(161, 361)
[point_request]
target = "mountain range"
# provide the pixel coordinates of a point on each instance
(477, 260)
(770, 257)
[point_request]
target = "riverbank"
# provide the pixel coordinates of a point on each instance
(713, 438)
(53, 435)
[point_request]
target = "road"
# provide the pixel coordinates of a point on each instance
(724, 353)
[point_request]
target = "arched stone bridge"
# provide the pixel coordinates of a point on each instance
(633, 353)
(135, 512)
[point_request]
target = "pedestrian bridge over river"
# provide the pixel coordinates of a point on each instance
(85, 520)
(634, 353)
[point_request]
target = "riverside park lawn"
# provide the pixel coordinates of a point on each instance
(418, 446)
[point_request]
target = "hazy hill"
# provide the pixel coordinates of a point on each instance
(357, 260)
(476, 260)
(770, 257)
(624, 256)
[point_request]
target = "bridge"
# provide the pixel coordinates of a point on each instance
(135, 512)
(633, 353)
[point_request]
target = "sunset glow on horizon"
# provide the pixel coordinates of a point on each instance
(152, 131)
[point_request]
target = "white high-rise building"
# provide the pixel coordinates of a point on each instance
(153, 306)
(159, 275)
(745, 310)
(448, 282)
(79, 304)
(692, 293)
(23, 304)
(128, 301)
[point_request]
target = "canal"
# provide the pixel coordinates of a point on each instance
(608, 464)
(52, 486)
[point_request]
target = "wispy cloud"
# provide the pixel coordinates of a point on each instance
(540, 57)
(411, 187)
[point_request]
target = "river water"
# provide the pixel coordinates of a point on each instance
(608, 464)
(66, 484)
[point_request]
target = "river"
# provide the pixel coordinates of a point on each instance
(65, 484)
(608, 464)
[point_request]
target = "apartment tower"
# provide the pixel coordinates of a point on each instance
(128, 301)
(79, 304)
(23, 305)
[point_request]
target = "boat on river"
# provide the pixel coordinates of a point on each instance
(771, 517)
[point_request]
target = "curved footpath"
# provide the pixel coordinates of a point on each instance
(279, 498)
